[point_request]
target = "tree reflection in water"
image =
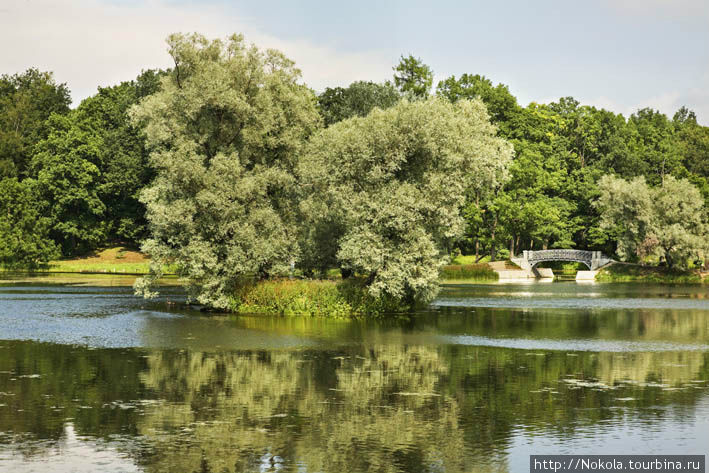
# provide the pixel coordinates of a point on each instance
(383, 405)
(392, 407)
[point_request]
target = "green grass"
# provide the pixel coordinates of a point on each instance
(79, 267)
(329, 298)
(115, 260)
(469, 259)
(634, 272)
(482, 272)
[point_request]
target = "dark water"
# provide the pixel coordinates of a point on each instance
(94, 379)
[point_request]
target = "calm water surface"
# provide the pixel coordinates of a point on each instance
(94, 379)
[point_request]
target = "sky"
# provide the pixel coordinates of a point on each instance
(617, 54)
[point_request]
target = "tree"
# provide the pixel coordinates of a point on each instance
(692, 141)
(224, 133)
(667, 221)
(395, 181)
(123, 158)
(66, 166)
(26, 101)
(24, 231)
(357, 100)
(413, 77)
(501, 104)
(653, 143)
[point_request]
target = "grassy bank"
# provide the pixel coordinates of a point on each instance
(116, 260)
(621, 272)
(310, 297)
(478, 272)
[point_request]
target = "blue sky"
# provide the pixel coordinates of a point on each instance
(618, 54)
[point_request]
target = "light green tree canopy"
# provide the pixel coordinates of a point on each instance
(667, 221)
(388, 189)
(224, 131)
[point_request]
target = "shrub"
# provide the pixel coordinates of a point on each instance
(348, 298)
(634, 272)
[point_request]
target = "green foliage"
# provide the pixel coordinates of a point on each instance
(468, 271)
(310, 297)
(226, 136)
(666, 221)
(561, 151)
(291, 297)
(501, 104)
(123, 158)
(26, 101)
(66, 166)
(412, 77)
(89, 164)
(24, 232)
(224, 133)
(357, 100)
(384, 192)
(638, 273)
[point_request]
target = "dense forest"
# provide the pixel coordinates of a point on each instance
(71, 179)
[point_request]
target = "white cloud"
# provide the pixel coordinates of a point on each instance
(88, 43)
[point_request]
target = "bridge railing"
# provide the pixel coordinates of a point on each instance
(559, 255)
(592, 259)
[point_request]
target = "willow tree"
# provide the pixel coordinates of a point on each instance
(224, 132)
(668, 221)
(383, 193)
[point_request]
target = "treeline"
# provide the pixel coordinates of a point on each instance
(562, 150)
(71, 179)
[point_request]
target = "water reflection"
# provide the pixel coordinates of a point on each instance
(448, 390)
(376, 407)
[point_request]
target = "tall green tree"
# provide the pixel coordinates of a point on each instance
(501, 104)
(652, 141)
(123, 157)
(357, 100)
(692, 142)
(395, 181)
(412, 77)
(67, 169)
(24, 230)
(224, 132)
(26, 102)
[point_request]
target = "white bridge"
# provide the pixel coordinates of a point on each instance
(593, 260)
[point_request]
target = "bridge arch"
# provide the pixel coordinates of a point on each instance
(592, 259)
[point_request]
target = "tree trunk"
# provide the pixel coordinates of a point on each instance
(512, 247)
(668, 259)
(493, 252)
(477, 249)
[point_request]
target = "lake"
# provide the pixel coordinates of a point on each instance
(95, 379)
